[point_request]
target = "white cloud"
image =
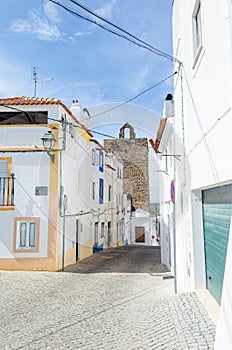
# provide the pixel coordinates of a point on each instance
(107, 9)
(51, 12)
(21, 26)
(83, 33)
(38, 25)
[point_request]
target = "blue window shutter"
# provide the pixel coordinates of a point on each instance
(101, 191)
(101, 161)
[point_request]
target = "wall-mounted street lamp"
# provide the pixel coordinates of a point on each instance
(48, 144)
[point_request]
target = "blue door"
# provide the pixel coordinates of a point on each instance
(217, 211)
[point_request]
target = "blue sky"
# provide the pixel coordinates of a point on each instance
(87, 63)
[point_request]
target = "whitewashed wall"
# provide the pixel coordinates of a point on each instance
(31, 170)
(207, 121)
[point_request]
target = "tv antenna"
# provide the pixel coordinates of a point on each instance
(36, 81)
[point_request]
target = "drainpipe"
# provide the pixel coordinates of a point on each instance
(65, 198)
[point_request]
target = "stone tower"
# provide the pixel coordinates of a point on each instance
(134, 153)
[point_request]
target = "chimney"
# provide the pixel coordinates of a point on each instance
(82, 115)
(76, 109)
(168, 109)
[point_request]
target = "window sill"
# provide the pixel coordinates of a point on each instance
(7, 207)
(17, 250)
(199, 51)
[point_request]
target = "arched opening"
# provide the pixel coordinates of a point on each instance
(126, 133)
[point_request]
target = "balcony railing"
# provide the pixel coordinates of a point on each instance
(7, 191)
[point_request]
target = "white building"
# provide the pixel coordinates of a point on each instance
(52, 204)
(164, 148)
(114, 212)
(202, 41)
(141, 233)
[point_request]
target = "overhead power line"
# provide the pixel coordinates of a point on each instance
(121, 29)
(132, 98)
(135, 41)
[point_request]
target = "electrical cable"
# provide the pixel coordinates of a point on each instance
(122, 30)
(72, 124)
(132, 98)
(106, 111)
(147, 46)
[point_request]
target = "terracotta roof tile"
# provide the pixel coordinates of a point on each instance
(159, 135)
(23, 100)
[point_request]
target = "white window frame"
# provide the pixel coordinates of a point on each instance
(102, 229)
(93, 190)
(8, 183)
(27, 223)
(109, 193)
(93, 156)
(197, 29)
(97, 158)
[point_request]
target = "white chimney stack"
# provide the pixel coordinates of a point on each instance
(168, 109)
(82, 115)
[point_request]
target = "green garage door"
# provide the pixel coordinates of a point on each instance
(217, 211)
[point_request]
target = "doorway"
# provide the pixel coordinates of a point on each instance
(140, 234)
(77, 240)
(95, 245)
(109, 234)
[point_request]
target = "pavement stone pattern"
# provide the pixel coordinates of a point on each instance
(101, 310)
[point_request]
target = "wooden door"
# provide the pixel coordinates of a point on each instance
(140, 234)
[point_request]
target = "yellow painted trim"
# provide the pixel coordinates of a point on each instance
(9, 160)
(37, 220)
(29, 125)
(7, 208)
(69, 258)
(86, 249)
(28, 264)
(53, 206)
(4, 149)
(83, 134)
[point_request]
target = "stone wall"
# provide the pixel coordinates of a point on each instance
(134, 153)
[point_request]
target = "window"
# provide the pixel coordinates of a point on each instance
(96, 158)
(93, 156)
(9, 118)
(96, 234)
(6, 182)
(93, 190)
(26, 235)
(102, 229)
(110, 193)
(127, 133)
(101, 161)
(197, 28)
(101, 191)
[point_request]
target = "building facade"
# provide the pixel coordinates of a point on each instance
(134, 153)
(202, 44)
(52, 202)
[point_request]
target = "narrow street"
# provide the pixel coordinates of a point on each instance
(118, 299)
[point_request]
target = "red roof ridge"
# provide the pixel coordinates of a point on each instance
(25, 100)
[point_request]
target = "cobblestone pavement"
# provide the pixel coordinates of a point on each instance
(103, 310)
